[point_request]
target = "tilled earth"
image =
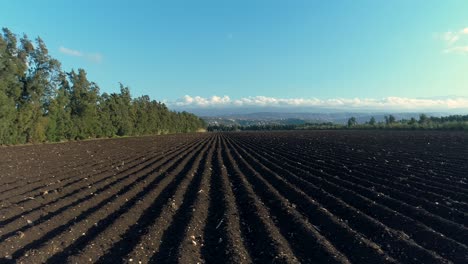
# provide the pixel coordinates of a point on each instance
(263, 197)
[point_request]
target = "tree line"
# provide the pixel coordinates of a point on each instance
(40, 102)
(452, 122)
(425, 122)
(272, 127)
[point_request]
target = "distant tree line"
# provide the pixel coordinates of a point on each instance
(39, 102)
(214, 128)
(267, 127)
(452, 122)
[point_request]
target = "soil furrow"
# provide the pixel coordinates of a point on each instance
(323, 165)
(223, 237)
(117, 240)
(339, 234)
(89, 191)
(422, 234)
(238, 197)
(441, 210)
(450, 229)
(394, 242)
(164, 236)
(264, 240)
(55, 227)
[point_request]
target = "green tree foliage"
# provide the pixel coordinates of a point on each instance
(38, 90)
(83, 106)
(423, 119)
(352, 121)
(453, 122)
(105, 113)
(121, 111)
(372, 121)
(39, 102)
(59, 112)
(390, 119)
(13, 66)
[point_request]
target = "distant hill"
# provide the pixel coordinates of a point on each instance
(285, 118)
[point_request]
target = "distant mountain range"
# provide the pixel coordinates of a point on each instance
(301, 118)
(255, 115)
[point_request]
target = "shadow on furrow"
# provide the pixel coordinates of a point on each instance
(444, 246)
(450, 229)
(221, 233)
(173, 237)
(87, 197)
(264, 240)
(132, 236)
(342, 237)
(293, 226)
(53, 233)
(74, 174)
(125, 174)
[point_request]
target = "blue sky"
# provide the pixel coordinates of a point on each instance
(241, 49)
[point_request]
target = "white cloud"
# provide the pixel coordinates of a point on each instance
(455, 42)
(93, 57)
(450, 37)
(202, 102)
(387, 103)
(457, 49)
(71, 52)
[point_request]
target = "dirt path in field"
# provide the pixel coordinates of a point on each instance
(266, 197)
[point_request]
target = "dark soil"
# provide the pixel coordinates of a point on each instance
(253, 197)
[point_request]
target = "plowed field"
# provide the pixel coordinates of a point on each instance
(266, 197)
